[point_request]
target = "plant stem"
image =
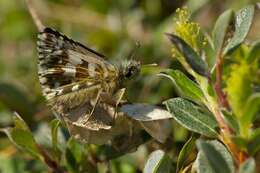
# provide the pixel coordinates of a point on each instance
(221, 95)
(213, 106)
(53, 165)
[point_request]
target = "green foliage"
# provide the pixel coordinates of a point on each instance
(248, 166)
(229, 94)
(213, 157)
(221, 28)
(243, 21)
(185, 86)
(185, 152)
(190, 55)
(187, 30)
(192, 117)
(254, 53)
(241, 75)
(21, 136)
(158, 162)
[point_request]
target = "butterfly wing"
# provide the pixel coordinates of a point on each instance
(70, 73)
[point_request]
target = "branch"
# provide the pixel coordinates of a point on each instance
(221, 95)
(53, 165)
(34, 15)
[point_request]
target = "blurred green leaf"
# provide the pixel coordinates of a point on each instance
(158, 162)
(185, 152)
(248, 166)
(231, 121)
(12, 165)
(73, 155)
(209, 53)
(240, 142)
(191, 57)
(254, 53)
(77, 149)
(213, 157)
(20, 123)
(195, 5)
(17, 101)
(55, 124)
(254, 142)
(244, 18)
(22, 137)
(187, 87)
(192, 117)
(13, 18)
(220, 30)
(241, 76)
(71, 163)
(252, 107)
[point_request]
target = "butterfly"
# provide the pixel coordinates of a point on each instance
(78, 80)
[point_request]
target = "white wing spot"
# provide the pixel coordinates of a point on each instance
(50, 95)
(40, 43)
(46, 90)
(43, 80)
(42, 36)
(91, 69)
(75, 88)
(70, 71)
(74, 58)
(59, 92)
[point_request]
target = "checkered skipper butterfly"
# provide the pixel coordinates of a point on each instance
(77, 79)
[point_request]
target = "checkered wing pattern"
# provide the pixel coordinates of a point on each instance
(70, 73)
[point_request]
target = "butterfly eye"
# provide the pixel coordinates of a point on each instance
(130, 72)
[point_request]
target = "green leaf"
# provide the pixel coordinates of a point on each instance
(187, 87)
(254, 53)
(239, 87)
(22, 137)
(192, 117)
(17, 101)
(55, 124)
(71, 163)
(158, 162)
(209, 53)
(254, 142)
(243, 21)
(12, 164)
(220, 30)
(252, 107)
(213, 157)
(76, 148)
(185, 152)
(191, 57)
(19, 123)
(231, 121)
(248, 166)
(74, 154)
(240, 142)
(195, 6)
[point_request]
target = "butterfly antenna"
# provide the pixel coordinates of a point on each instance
(134, 51)
(34, 15)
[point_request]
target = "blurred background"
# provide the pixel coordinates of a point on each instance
(112, 27)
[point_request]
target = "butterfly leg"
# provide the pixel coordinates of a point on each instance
(95, 103)
(118, 98)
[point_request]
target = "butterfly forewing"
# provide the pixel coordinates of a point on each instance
(72, 75)
(66, 66)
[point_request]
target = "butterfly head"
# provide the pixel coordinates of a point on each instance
(130, 69)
